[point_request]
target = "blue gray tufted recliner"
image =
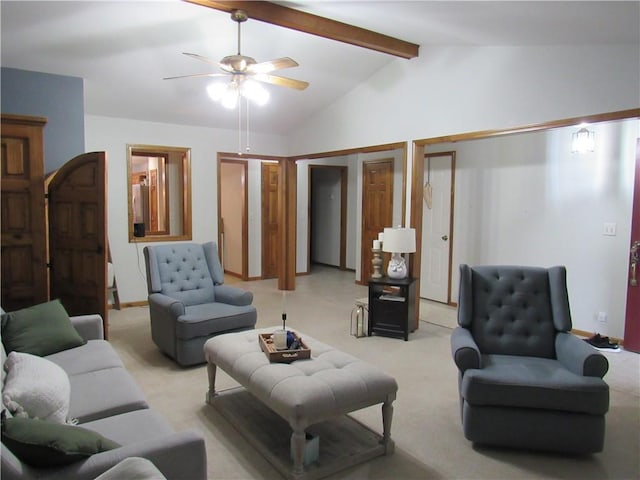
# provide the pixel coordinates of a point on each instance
(524, 380)
(188, 303)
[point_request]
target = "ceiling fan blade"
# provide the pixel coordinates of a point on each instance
(201, 58)
(196, 75)
(272, 65)
(282, 81)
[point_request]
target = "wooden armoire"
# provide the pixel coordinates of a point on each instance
(54, 229)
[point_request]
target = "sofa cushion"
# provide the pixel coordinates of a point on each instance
(103, 393)
(532, 382)
(133, 468)
(132, 427)
(40, 330)
(92, 356)
(211, 318)
(36, 388)
(45, 444)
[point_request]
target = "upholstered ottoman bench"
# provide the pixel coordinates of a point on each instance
(329, 384)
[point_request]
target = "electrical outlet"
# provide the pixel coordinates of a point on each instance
(609, 229)
(602, 317)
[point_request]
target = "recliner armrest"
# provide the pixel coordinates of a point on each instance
(233, 295)
(464, 349)
(166, 303)
(90, 327)
(580, 357)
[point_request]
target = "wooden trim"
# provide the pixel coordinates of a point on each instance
(344, 191)
(288, 231)
(316, 25)
(10, 118)
(351, 151)
(567, 122)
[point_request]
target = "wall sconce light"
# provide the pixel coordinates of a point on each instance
(398, 241)
(583, 141)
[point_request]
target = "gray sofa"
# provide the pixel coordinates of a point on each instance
(104, 398)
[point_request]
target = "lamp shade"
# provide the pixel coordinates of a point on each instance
(399, 240)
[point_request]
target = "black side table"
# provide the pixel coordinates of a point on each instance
(391, 305)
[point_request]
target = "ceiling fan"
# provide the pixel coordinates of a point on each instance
(241, 68)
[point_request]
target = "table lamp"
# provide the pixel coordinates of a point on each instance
(397, 241)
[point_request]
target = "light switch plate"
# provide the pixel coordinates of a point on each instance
(609, 229)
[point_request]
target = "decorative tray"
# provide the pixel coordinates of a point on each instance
(282, 356)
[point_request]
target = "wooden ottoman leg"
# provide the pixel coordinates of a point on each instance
(387, 417)
(298, 438)
(211, 372)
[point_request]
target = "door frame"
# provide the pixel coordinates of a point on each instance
(245, 215)
(344, 177)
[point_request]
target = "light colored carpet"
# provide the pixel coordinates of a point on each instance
(426, 423)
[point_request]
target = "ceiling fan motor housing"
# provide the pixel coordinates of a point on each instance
(236, 63)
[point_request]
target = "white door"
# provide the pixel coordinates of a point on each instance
(436, 227)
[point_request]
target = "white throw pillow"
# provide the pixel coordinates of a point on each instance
(36, 388)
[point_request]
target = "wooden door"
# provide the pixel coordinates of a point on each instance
(377, 208)
(23, 227)
(435, 265)
(270, 209)
(632, 319)
(78, 235)
(232, 204)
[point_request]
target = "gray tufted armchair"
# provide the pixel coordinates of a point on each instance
(188, 302)
(524, 380)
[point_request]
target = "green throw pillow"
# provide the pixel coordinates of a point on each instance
(46, 444)
(39, 330)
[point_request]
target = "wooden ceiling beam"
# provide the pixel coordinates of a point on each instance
(315, 25)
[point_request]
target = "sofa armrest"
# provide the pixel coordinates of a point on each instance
(464, 350)
(90, 327)
(233, 295)
(580, 357)
(181, 455)
(168, 305)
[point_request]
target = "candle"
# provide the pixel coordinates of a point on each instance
(381, 237)
(376, 244)
(284, 301)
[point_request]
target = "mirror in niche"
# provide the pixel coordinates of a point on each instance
(159, 192)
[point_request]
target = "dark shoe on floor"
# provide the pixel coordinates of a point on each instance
(602, 343)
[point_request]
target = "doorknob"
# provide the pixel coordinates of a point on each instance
(635, 258)
(445, 237)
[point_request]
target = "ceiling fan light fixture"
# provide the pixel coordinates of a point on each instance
(216, 90)
(230, 96)
(255, 92)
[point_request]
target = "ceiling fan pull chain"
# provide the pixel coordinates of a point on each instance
(240, 126)
(247, 103)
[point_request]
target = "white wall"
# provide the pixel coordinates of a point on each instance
(113, 134)
(449, 90)
(525, 199)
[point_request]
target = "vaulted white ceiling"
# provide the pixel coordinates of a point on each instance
(123, 49)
